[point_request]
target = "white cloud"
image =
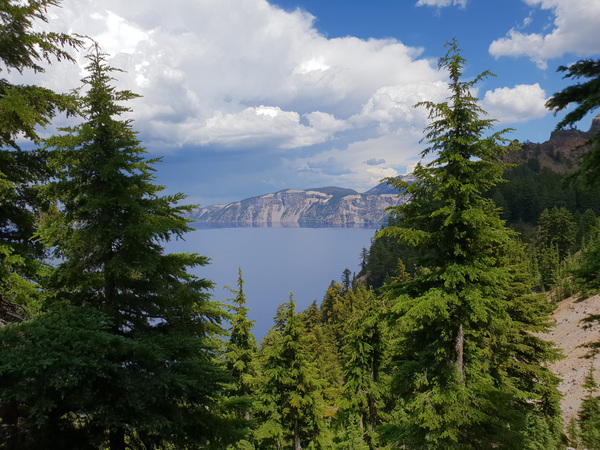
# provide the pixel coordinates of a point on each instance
(206, 69)
(575, 30)
(442, 3)
(117, 34)
(519, 104)
(260, 125)
(353, 165)
(379, 173)
(392, 108)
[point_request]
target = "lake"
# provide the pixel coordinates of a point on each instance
(275, 261)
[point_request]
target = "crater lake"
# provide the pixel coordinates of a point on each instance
(275, 261)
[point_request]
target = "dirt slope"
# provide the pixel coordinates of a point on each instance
(570, 334)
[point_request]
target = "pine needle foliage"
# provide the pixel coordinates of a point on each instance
(589, 413)
(289, 406)
(462, 323)
(23, 109)
(364, 387)
(587, 272)
(107, 232)
(241, 351)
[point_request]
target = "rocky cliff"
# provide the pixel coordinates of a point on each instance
(322, 205)
(561, 152)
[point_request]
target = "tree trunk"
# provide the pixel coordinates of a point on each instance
(459, 348)
(296, 436)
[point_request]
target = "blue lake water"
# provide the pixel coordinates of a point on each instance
(275, 261)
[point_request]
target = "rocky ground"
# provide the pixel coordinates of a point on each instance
(570, 334)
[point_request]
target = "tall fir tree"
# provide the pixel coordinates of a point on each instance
(557, 229)
(587, 272)
(160, 379)
(320, 343)
(363, 393)
(463, 341)
(589, 413)
(241, 351)
(290, 406)
(23, 109)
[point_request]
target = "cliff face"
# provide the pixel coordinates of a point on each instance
(325, 206)
(561, 152)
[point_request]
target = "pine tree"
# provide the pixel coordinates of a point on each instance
(589, 414)
(557, 229)
(107, 230)
(585, 96)
(463, 341)
(24, 108)
(364, 258)
(53, 368)
(241, 350)
(363, 390)
(290, 404)
(320, 343)
(332, 297)
(586, 224)
(587, 273)
(346, 279)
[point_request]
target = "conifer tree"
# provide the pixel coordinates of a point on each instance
(241, 350)
(586, 224)
(24, 108)
(587, 274)
(464, 343)
(289, 405)
(589, 413)
(557, 229)
(108, 230)
(320, 343)
(346, 279)
(363, 390)
(53, 367)
(312, 316)
(332, 297)
(364, 258)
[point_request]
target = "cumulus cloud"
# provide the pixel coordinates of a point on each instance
(392, 108)
(518, 104)
(351, 165)
(206, 75)
(260, 125)
(442, 3)
(379, 173)
(575, 30)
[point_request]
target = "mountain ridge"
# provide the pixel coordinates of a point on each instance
(330, 205)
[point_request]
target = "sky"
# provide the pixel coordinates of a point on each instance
(247, 97)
